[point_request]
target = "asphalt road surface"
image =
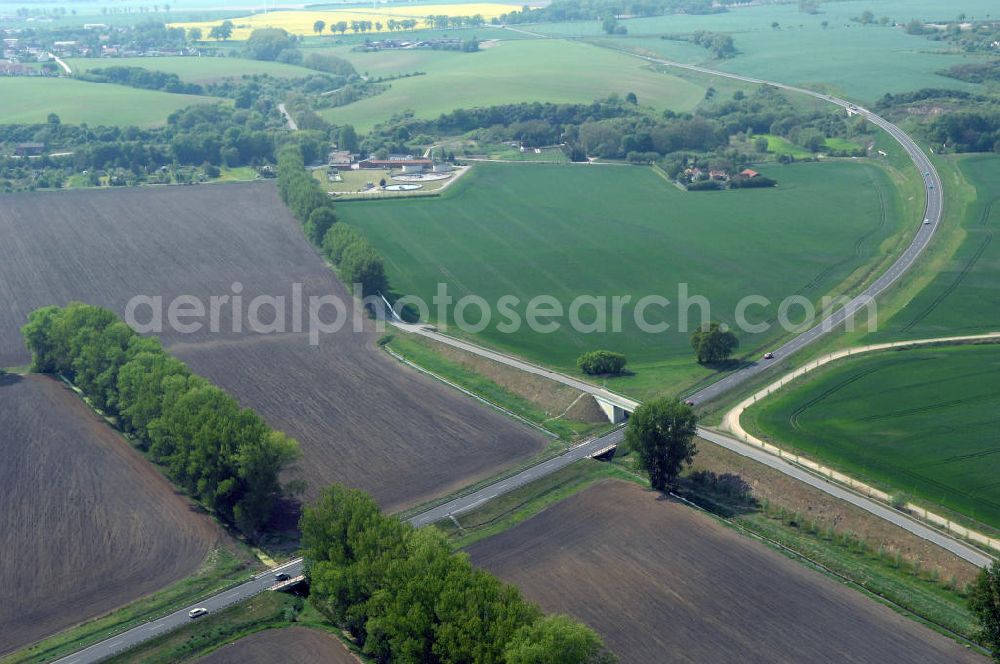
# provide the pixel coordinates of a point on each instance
(136, 635)
(932, 212)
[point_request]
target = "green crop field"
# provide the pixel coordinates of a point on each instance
(196, 70)
(529, 229)
(964, 298)
(923, 421)
(513, 71)
(863, 62)
(28, 100)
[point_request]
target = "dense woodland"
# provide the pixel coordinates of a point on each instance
(404, 596)
(224, 456)
(203, 136)
(957, 121)
(616, 128)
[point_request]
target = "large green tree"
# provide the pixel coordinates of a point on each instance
(985, 603)
(348, 138)
(361, 264)
(661, 432)
(713, 343)
(268, 43)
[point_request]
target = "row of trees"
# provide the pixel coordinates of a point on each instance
(303, 195)
(719, 44)
(139, 77)
(406, 597)
(581, 10)
(225, 456)
(356, 260)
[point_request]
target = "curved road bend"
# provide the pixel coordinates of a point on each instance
(933, 210)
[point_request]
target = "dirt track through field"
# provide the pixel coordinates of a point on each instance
(290, 645)
(86, 524)
(361, 417)
(662, 582)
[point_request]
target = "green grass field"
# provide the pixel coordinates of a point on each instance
(529, 230)
(513, 71)
(964, 298)
(783, 146)
(27, 100)
(922, 421)
(863, 62)
(195, 70)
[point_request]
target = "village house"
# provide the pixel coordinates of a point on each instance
(340, 159)
(29, 149)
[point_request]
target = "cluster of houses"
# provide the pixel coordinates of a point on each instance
(19, 50)
(397, 44)
(695, 174)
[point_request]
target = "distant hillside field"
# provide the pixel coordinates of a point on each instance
(195, 69)
(29, 100)
(525, 70)
(860, 61)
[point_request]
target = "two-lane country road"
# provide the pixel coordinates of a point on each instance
(133, 637)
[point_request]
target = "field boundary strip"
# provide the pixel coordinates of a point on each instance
(732, 423)
(475, 396)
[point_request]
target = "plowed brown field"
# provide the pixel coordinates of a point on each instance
(291, 645)
(662, 583)
(362, 418)
(86, 523)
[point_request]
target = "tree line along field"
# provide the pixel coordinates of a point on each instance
(195, 69)
(861, 62)
(527, 70)
(663, 582)
(922, 421)
(87, 524)
(299, 22)
(565, 231)
(31, 99)
(964, 297)
(361, 418)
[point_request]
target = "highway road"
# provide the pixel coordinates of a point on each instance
(932, 212)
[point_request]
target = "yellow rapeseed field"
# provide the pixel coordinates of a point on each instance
(301, 22)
